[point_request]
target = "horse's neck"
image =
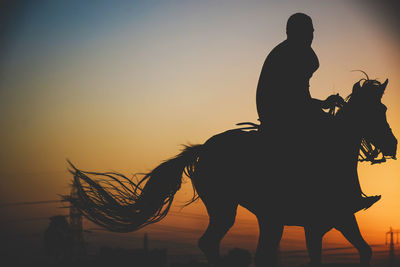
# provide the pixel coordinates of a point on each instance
(348, 137)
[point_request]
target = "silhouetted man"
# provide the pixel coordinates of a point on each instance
(289, 116)
(283, 88)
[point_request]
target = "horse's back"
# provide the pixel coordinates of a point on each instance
(234, 162)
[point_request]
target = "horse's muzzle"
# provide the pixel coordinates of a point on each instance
(391, 148)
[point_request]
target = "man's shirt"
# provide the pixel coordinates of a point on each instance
(283, 86)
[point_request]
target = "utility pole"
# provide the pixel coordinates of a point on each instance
(391, 244)
(75, 221)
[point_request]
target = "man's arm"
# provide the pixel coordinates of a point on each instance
(331, 101)
(320, 103)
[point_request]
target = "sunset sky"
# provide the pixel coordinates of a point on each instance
(120, 85)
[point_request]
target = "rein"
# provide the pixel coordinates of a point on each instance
(252, 126)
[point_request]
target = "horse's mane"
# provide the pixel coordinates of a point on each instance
(364, 87)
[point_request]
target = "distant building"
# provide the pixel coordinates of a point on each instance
(58, 239)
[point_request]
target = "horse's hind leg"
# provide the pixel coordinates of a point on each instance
(349, 229)
(314, 245)
(222, 215)
(268, 242)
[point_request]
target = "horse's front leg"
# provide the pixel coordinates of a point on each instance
(314, 237)
(268, 242)
(349, 228)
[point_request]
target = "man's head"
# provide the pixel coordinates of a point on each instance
(299, 29)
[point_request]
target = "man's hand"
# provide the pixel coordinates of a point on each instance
(334, 101)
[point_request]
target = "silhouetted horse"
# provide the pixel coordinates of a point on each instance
(232, 169)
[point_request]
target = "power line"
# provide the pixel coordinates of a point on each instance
(27, 219)
(9, 204)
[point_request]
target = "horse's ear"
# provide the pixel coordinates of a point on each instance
(383, 87)
(356, 87)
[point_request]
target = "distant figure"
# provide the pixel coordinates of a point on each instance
(284, 102)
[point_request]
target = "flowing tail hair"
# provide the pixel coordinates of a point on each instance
(119, 204)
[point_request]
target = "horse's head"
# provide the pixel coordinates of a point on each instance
(371, 116)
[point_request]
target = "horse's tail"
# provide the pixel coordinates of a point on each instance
(121, 205)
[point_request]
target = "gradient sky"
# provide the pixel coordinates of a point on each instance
(121, 85)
